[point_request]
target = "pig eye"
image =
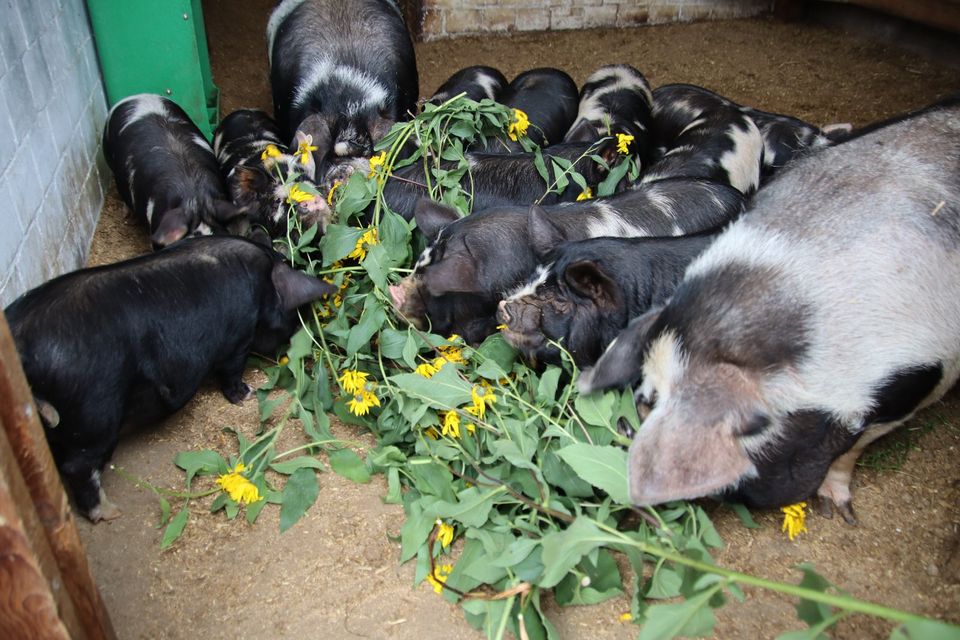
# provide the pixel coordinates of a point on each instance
(645, 403)
(757, 424)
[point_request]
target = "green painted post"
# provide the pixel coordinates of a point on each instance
(156, 46)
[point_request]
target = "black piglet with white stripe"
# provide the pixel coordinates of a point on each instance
(166, 171)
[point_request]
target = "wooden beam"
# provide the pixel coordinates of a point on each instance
(29, 445)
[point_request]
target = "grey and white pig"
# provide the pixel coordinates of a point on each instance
(471, 263)
(825, 317)
(584, 293)
(340, 72)
(165, 170)
(615, 98)
(131, 342)
(260, 172)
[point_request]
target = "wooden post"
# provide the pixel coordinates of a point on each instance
(29, 445)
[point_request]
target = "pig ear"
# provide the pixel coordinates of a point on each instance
(432, 216)
(247, 181)
(297, 288)
(545, 236)
(379, 126)
(583, 131)
(173, 226)
(314, 130)
(622, 363)
(453, 274)
(587, 279)
(677, 457)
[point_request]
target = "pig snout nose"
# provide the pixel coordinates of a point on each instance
(502, 314)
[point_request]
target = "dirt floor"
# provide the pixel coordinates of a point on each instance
(336, 575)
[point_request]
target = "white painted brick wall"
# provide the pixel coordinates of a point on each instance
(449, 18)
(52, 111)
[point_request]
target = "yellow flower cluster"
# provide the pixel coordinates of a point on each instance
(439, 577)
(303, 151)
(448, 353)
(793, 519)
(450, 424)
(270, 152)
(587, 194)
(378, 166)
(364, 242)
(445, 533)
(355, 383)
(297, 195)
(518, 128)
(238, 486)
(623, 143)
(483, 397)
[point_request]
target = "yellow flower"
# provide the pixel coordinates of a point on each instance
(445, 534)
(432, 433)
(439, 576)
(793, 519)
(364, 242)
(303, 151)
(297, 195)
(361, 403)
(239, 487)
(426, 370)
(376, 162)
(587, 194)
(623, 143)
(451, 424)
(452, 353)
(501, 327)
(518, 128)
(283, 361)
(481, 400)
(439, 362)
(270, 152)
(333, 188)
(353, 381)
(626, 617)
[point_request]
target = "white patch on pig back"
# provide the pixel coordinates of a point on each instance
(277, 16)
(742, 163)
(201, 142)
(530, 287)
(144, 105)
(609, 223)
(489, 84)
(149, 211)
(324, 70)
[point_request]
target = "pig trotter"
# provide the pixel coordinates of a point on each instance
(236, 391)
(106, 510)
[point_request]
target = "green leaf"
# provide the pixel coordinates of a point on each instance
(562, 550)
(813, 613)
(547, 389)
(497, 349)
(596, 409)
(445, 390)
(605, 467)
(299, 494)
(692, 617)
(301, 346)
(348, 464)
(338, 241)
(200, 463)
(371, 320)
(289, 466)
(744, 514)
(377, 265)
(603, 577)
(926, 630)
(665, 582)
(472, 507)
(175, 529)
(815, 632)
(392, 343)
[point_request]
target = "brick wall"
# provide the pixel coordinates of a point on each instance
(52, 110)
(447, 18)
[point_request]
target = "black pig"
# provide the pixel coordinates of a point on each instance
(165, 170)
(548, 98)
(586, 292)
(133, 341)
(340, 72)
(477, 83)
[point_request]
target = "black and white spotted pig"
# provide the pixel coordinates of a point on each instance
(131, 342)
(677, 105)
(341, 72)
(477, 83)
(548, 97)
(823, 318)
(165, 170)
(260, 172)
(584, 293)
(472, 262)
(615, 98)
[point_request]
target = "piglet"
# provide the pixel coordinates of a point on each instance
(548, 99)
(132, 342)
(823, 318)
(476, 83)
(263, 177)
(166, 171)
